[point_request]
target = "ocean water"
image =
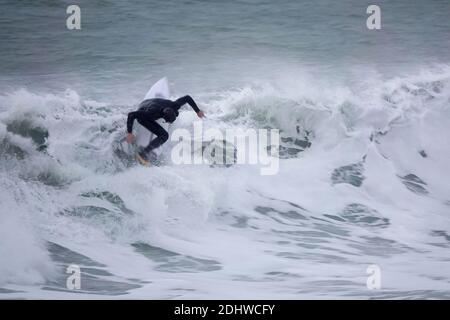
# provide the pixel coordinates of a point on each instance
(364, 118)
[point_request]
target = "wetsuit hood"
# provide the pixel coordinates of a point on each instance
(169, 115)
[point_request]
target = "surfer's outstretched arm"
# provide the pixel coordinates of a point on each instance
(188, 99)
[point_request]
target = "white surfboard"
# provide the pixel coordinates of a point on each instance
(159, 90)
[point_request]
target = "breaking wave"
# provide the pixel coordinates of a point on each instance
(363, 180)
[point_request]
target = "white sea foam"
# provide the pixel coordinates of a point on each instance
(372, 188)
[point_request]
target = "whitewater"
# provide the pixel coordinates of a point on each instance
(363, 180)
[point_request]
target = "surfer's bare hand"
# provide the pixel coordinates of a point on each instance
(200, 114)
(130, 137)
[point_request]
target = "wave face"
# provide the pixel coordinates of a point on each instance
(363, 180)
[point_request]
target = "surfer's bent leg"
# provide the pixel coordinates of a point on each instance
(161, 134)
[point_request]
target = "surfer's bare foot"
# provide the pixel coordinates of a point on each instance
(142, 158)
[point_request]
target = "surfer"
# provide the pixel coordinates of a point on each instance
(151, 110)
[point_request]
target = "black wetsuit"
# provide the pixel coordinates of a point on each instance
(151, 110)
